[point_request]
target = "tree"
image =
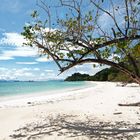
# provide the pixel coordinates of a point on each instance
(81, 36)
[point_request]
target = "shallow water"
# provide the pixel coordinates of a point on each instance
(24, 88)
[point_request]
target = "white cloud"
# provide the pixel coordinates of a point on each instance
(43, 59)
(42, 74)
(2, 69)
(6, 57)
(25, 73)
(22, 51)
(29, 74)
(12, 39)
(15, 73)
(16, 40)
(79, 66)
(51, 75)
(113, 57)
(36, 69)
(49, 71)
(26, 69)
(26, 63)
(18, 52)
(82, 72)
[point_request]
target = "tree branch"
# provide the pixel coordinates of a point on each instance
(127, 18)
(111, 42)
(102, 61)
(107, 43)
(113, 18)
(49, 53)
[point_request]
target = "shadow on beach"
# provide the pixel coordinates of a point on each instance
(72, 127)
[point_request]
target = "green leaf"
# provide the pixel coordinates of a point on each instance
(34, 14)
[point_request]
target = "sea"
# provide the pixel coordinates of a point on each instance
(16, 88)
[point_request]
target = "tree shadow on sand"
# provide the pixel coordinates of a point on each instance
(72, 127)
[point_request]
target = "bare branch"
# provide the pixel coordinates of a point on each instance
(45, 7)
(127, 17)
(49, 53)
(103, 10)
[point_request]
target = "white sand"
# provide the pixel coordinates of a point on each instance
(90, 113)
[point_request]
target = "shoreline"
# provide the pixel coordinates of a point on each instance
(41, 97)
(92, 112)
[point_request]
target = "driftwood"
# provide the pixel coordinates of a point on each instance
(117, 113)
(131, 104)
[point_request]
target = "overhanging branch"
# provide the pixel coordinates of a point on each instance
(100, 61)
(94, 47)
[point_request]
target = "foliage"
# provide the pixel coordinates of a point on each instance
(104, 75)
(80, 37)
(78, 77)
(108, 74)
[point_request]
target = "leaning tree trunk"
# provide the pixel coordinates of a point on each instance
(136, 78)
(132, 75)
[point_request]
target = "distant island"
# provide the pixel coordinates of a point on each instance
(108, 74)
(3, 80)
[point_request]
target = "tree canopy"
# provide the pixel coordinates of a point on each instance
(75, 32)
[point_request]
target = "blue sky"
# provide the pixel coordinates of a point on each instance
(24, 63)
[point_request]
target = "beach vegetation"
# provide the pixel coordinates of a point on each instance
(108, 74)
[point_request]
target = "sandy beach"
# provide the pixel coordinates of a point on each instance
(83, 114)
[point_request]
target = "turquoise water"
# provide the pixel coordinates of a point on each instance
(22, 88)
